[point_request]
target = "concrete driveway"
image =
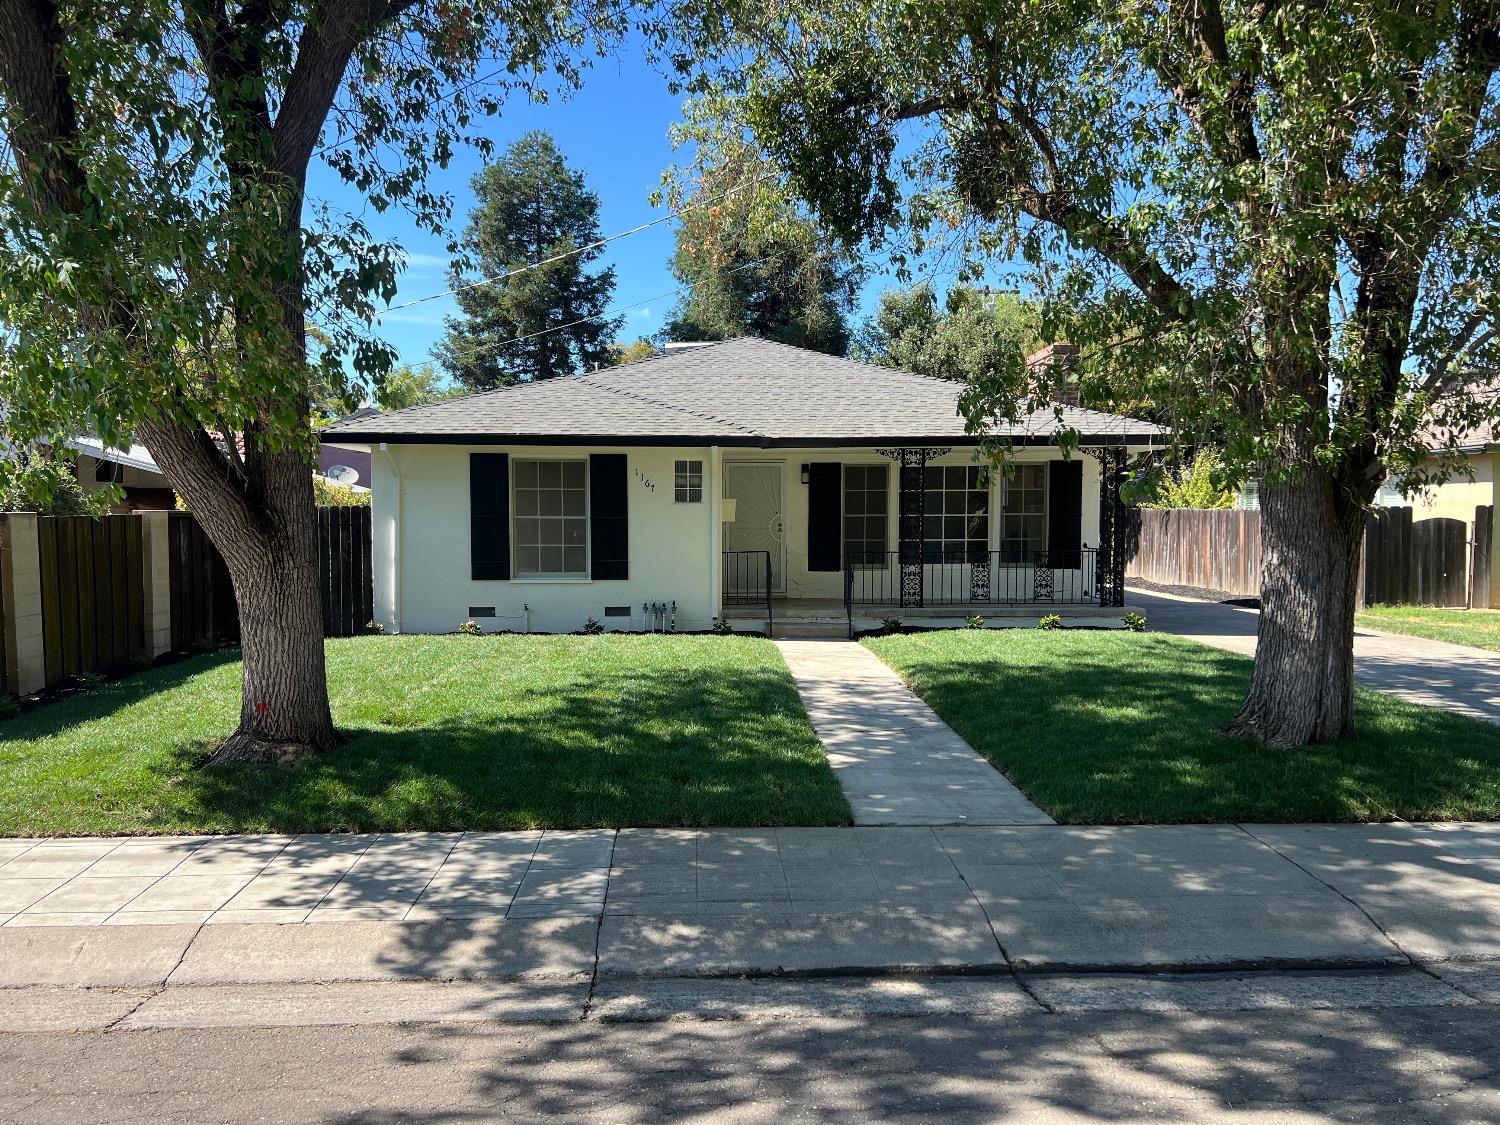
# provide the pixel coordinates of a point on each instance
(1453, 677)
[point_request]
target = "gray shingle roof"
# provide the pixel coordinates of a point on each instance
(744, 391)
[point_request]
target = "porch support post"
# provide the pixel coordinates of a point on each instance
(911, 527)
(1110, 573)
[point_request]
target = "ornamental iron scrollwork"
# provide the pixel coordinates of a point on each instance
(1109, 575)
(1043, 578)
(911, 525)
(979, 577)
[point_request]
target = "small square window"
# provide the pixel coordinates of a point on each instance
(687, 482)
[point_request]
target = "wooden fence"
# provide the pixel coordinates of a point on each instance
(1415, 562)
(1479, 572)
(1406, 561)
(203, 609)
(105, 602)
(346, 572)
(93, 599)
(1215, 549)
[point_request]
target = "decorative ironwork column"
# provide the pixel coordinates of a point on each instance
(1109, 574)
(911, 526)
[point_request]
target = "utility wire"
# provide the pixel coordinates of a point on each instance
(508, 274)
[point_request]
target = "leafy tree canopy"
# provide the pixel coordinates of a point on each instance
(629, 353)
(969, 337)
(1200, 483)
(414, 385)
(752, 261)
(534, 219)
(1278, 222)
(46, 482)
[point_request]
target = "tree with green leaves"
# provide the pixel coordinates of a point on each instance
(536, 310)
(629, 353)
(160, 261)
(972, 335)
(1199, 483)
(413, 385)
(750, 259)
(1279, 222)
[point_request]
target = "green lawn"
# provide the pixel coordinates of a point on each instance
(1477, 627)
(441, 733)
(1106, 727)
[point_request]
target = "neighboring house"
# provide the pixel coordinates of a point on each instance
(716, 478)
(144, 486)
(350, 467)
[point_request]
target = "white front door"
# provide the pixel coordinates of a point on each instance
(755, 487)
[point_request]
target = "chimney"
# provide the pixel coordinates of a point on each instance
(1054, 373)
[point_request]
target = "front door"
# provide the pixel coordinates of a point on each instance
(755, 487)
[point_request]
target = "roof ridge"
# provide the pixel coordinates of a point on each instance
(748, 430)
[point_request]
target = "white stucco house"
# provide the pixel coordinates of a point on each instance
(745, 479)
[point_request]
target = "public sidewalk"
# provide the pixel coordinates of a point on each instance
(1434, 673)
(584, 908)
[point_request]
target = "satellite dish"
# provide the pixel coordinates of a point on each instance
(342, 474)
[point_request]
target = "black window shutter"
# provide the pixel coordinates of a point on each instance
(824, 515)
(609, 521)
(489, 515)
(1065, 513)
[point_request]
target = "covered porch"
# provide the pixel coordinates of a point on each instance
(924, 535)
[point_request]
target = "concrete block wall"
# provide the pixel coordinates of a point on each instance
(25, 658)
(157, 578)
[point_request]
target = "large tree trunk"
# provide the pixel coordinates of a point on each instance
(270, 545)
(1302, 689)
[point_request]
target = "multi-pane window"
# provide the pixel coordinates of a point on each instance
(688, 482)
(551, 518)
(956, 513)
(1023, 513)
(866, 514)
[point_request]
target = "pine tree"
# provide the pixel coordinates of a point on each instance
(530, 208)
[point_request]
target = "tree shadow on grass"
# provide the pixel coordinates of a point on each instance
(646, 747)
(111, 696)
(1133, 733)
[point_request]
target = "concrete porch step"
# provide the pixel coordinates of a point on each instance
(829, 630)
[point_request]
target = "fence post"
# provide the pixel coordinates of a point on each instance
(25, 654)
(156, 581)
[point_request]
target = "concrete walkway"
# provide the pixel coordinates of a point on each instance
(1434, 673)
(579, 907)
(897, 761)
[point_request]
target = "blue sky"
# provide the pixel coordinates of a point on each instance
(615, 130)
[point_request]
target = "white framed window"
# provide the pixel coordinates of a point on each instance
(550, 520)
(867, 514)
(687, 482)
(1023, 514)
(956, 513)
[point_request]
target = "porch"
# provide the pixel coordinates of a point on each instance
(1006, 549)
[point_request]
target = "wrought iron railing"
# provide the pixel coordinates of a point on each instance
(749, 580)
(963, 577)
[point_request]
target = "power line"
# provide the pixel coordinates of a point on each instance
(508, 274)
(609, 312)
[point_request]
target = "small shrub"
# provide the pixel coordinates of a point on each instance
(331, 494)
(470, 628)
(374, 627)
(890, 624)
(593, 627)
(87, 681)
(973, 621)
(1050, 621)
(1135, 622)
(10, 707)
(722, 627)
